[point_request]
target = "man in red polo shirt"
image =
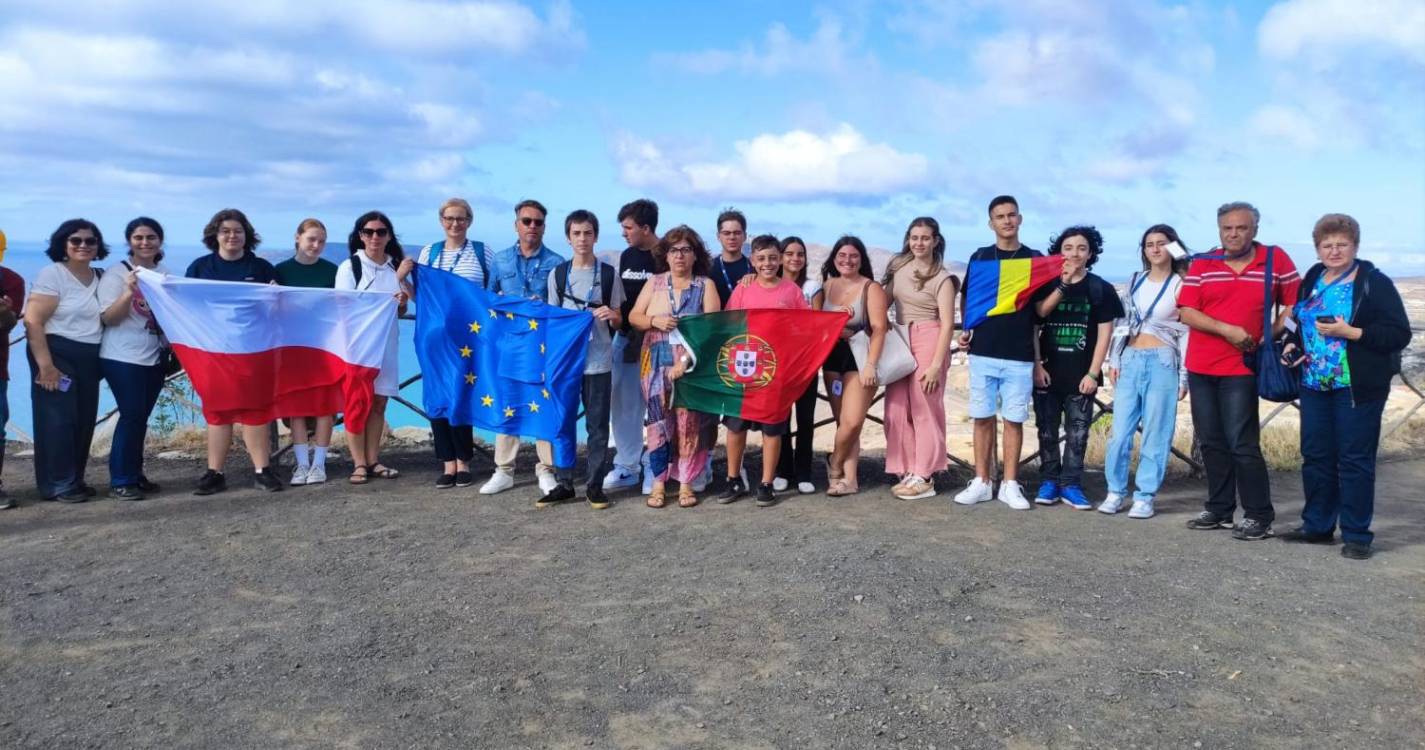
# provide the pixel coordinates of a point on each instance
(1221, 301)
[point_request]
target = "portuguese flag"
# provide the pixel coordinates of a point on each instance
(753, 364)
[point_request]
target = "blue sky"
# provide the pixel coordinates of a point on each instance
(817, 119)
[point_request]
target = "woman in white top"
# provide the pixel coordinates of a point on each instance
(130, 357)
(375, 257)
(63, 329)
(1145, 363)
(794, 463)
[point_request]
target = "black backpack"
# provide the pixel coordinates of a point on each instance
(356, 268)
(606, 281)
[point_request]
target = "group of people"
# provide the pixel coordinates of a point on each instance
(1183, 324)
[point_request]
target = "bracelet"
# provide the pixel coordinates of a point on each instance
(1062, 288)
(1095, 376)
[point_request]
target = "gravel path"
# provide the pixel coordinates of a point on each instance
(393, 615)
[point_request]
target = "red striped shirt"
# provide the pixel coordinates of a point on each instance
(1214, 289)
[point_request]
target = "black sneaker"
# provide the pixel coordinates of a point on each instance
(89, 491)
(1209, 520)
(735, 489)
(1251, 530)
(1356, 551)
(464, 479)
(147, 487)
(1301, 536)
(560, 494)
(125, 493)
(6, 502)
(211, 483)
(765, 496)
(74, 496)
(266, 480)
(597, 499)
(445, 481)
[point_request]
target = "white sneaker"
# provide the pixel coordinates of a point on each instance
(547, 482)
(1010, 494)
(299, 475)
(1111, 504)
(620, 478)
(977, 491)
(499, 482)
(806, 488)
(780, 484)
(1141, 509)
(317, 474)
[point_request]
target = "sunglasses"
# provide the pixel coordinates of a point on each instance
(530, 221)
(84, 242)
(377, 233)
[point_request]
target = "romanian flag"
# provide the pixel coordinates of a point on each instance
(754, 363)
(998, 287)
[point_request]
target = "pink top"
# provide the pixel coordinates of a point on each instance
(786, 295)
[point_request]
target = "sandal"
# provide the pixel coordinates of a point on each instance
(841, 488)
(360, 475)
(383, 471)
(686, 498)
(656, 498)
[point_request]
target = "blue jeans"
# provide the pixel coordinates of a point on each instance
(1338, 463)
(1146, 394)
(135, 389)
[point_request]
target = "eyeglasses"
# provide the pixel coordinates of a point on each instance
(455, 219)
(530, 221)
(377, 233)
(84, 241)
(681, 250)
(229, 232)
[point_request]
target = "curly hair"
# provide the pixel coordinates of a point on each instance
(702, 264)
(1095, 240)
(58, 250)
(210, 232)
(1336, 224)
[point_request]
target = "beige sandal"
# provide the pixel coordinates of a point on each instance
(841, 488)
(657, 498)
(686, 498)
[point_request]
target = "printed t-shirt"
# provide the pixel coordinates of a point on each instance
(135, 339)
(1069, 334)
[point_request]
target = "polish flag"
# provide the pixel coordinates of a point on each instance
(257, 352)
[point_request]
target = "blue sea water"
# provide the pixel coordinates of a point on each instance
(27, 259)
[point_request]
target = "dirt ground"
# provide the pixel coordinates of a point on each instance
(395, 615)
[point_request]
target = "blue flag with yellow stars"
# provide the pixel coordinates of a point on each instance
(511, 365)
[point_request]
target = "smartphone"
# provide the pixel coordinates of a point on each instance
(65, 383)
(1175, 250)
(1326, 319)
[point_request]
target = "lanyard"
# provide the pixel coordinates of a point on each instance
(722, 266)
(673, 306)
(458, 257)
(1138, 319)
(594, 286)
(1322, 291)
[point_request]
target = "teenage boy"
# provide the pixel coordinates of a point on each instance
(767, 290)
(522, 270)
(1222, 303)
(639, 222)
(1001, 369)
(12, 300)
(731, 265)
(1077, 321)
(586, 283)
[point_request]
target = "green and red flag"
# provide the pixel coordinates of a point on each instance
(753, 364)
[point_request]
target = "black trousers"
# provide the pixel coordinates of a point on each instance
(64, 420)
(794, 463)
(1224, 415)
(453, 443)
(1073, 411)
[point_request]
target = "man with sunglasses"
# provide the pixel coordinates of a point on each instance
(522, 270)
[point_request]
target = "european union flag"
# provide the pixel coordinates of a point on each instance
(514, 366)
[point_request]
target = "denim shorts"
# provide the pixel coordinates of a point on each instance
(1002, 384)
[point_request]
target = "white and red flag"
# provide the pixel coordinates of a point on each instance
(256, 352)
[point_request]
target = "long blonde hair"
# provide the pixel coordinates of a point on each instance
(937, 255)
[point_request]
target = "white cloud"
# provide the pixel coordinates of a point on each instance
(797, 164)
(827, 51)
(1287, 124)
(1317, 29)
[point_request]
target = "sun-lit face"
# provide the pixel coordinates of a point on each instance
(231, 238)
(1005, 220)
(456, 222)
(82, 246)
(680, 258)
(374, 235)
(921, 241)
(310, 243)
(1237, 229)
(1155, 249)
(1075, 250)
(144, 244)
(848, 261)
(1336, 251)
(768, 263)
(731, 235)
(582, 238)
(794, 258)
(529, 226)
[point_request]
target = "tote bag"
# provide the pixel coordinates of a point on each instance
(896, 360)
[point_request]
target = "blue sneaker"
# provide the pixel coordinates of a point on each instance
(1048, 493)
(1074, 496)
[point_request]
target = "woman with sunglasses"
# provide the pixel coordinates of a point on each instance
(63, 329)
(376, 256)
(130, 357)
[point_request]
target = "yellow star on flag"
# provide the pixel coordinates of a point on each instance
(464, 351)
(544, 392)
(534, 407)
(469, 378)
(534, 325)
(474, 326)
(487, 400)
(509, 411)
(541, 348)
(510, 315)
(494, 314)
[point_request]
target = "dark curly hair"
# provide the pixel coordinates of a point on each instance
(58, 250)
(1095, 240)
(393, 245)
(702, 264)
(828, 269)
(210, 232)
